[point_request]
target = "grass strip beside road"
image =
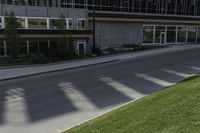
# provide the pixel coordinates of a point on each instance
(175, 109)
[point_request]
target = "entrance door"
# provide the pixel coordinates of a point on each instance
(81, 48)
(162, 38)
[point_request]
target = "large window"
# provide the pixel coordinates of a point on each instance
(171, 34)
(34, 23)
(182, 33)
(191, 34)
(148, 34)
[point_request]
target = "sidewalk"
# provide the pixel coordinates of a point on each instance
(11, 73)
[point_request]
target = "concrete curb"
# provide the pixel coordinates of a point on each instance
(51, 71)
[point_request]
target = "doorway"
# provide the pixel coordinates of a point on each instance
(81, 48)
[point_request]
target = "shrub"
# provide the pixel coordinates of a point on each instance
(38, 59)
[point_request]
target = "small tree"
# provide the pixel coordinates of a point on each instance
(11, 33)
(64, 47)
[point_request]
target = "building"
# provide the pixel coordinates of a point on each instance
(118, 22)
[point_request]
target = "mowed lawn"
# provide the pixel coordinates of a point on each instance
(175, 109)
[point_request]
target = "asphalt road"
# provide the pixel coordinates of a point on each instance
(50, 103)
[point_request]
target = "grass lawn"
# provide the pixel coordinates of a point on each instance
(175, 109)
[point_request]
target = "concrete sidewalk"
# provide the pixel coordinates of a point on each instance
(11, 73)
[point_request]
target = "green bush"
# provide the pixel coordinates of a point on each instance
(38, 59)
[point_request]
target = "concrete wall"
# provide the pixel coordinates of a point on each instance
(113, 34)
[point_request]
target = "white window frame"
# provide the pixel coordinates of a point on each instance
(177, 26)
(37, 18)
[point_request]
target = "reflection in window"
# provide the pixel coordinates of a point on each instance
(191, 34)
(22, 48)
(37, 23)
(70, 24)
(198, 37)
(1, 22)
(22, 22)
(148, 34)
(158, 31)
(2, 52)
(53, 23)
(171, 34)
(182, 32)
(81, 24)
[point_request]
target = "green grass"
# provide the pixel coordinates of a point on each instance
(175, 109)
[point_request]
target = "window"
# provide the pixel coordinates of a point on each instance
(53, 23)
(182, 32)
(22, 22)
(171, 34)
(2, 52)
(191, 34)
(81, 24)
(198, 37)
(34, 23)
(70, 24)
(33, 47)
(43, 47)
(1, 22)
(148, 34)
(158, 31)
(23, 47)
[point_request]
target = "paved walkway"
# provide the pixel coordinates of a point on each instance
(10, 73)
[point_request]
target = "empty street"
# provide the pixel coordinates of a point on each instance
(53, 102)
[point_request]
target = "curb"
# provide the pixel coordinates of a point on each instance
(39, 73)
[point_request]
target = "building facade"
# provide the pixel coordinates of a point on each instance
(118, 22)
